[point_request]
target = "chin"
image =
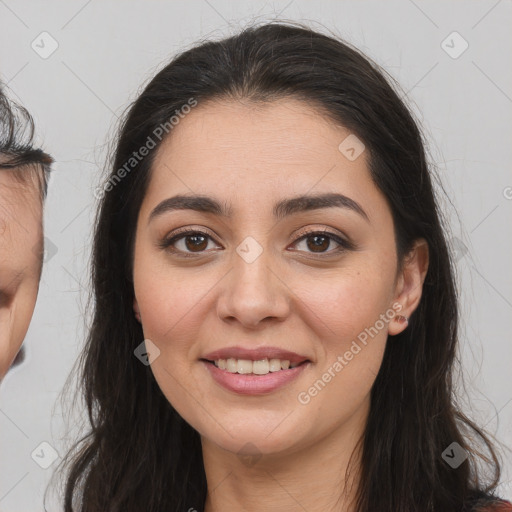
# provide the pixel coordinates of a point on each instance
(254, 438)
(253, 445)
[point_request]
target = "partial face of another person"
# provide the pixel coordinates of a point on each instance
(20, 260)
(252, 279)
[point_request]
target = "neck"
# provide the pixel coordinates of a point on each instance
(314, 478)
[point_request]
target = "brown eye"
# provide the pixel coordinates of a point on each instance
(187, 242)
(319, 242)
(196, 242)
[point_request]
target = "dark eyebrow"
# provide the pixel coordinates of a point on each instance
(281, 209)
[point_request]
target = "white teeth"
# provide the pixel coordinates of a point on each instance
(275, 365)
(260, 367)
(244, 366)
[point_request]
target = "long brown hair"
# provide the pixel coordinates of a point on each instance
(139, 454)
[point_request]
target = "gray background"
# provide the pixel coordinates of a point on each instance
(107, 50)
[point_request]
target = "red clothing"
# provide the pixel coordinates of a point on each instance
(504, 506)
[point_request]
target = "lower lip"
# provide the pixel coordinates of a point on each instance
(251, 384)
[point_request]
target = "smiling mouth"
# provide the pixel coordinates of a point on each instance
(258, 367)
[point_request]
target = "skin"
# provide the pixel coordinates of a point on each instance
(252, 156)
(20, 261)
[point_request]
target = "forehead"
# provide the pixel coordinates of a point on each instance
(269, 134)
(242, 150)
(20, 226)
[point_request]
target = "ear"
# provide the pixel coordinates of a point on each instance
(409, 285)
(136, 309)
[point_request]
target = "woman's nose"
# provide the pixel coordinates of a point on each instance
(253, 291)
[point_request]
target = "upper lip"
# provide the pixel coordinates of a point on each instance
(255, 354)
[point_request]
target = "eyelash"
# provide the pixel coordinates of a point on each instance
(167, 243)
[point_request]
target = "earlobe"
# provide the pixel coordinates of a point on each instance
(136, 309)
(410, 285)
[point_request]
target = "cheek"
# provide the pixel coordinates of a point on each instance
(15, 321)
(347, 318)
(168, 307)
(172, 301)
(171, 305)
(345, 305)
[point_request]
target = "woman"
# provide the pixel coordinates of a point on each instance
(270, 231)
(24, 173)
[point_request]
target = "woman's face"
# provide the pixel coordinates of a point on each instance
(20, 261)
(250, 280)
